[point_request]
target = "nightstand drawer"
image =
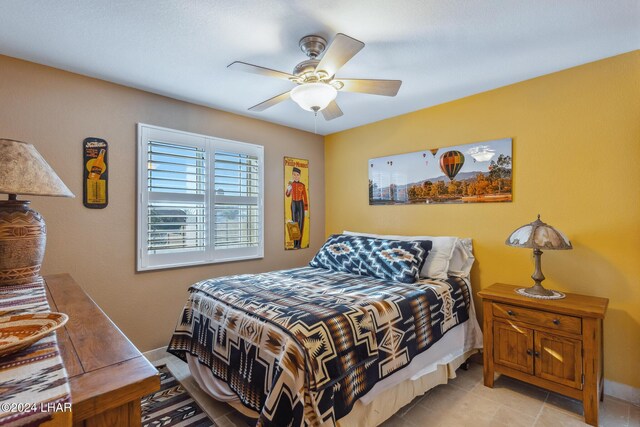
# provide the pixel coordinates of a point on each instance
(540, 318)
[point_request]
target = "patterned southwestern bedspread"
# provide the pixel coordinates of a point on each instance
(300, 346)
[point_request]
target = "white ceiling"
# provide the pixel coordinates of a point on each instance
(441, 49)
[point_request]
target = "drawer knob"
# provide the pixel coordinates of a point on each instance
(556, 321)
(510, 313)
(536, 353)
(529, 352)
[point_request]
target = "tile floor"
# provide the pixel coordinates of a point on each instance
(465, 401)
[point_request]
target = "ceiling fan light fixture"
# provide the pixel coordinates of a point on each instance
(313, 96)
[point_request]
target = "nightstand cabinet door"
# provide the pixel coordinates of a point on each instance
(513, 346)
(558, 359)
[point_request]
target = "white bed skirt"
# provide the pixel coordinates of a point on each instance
(427, 370)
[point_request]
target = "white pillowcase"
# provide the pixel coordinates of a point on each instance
(462, 259)
(436, 266)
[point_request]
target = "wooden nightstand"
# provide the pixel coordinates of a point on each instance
(555, 344)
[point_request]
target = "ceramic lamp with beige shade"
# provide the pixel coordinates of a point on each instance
(22, 230)
(537, 236)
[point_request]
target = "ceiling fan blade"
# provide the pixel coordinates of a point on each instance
(374, 87)
(341, 50)
(256, 69)
(271, 102)
(332, 111)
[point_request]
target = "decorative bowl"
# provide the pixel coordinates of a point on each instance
(21, 330)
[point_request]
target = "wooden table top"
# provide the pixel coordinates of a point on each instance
(105, 369)
(580, 305)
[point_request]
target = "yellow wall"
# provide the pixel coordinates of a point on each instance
(576, 150)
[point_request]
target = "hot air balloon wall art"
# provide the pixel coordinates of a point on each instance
(471, 173)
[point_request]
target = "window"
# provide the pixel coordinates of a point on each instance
(200, 199)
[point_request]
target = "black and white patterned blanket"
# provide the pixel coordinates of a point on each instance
(300, 346)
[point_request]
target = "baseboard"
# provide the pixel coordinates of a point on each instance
(156, 354)
(622, 392)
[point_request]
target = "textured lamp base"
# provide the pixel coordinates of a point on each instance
(23, 236)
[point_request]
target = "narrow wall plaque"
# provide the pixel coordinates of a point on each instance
(96, 177)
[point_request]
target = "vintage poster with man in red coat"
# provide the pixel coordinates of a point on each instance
(296, 203)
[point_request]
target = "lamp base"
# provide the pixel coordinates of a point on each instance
(554, 294)
(538, 290)
(23, 236)
(534, 293)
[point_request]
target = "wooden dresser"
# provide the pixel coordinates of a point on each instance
(555, 344)
(107, 373)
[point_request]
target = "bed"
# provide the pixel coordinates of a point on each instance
(316, 346)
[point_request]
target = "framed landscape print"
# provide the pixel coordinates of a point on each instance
(470, 173)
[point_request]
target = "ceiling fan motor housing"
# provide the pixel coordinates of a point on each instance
(312, 46)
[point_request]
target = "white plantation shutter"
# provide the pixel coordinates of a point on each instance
(200, 199)
(237, 199)
(176, 183)
(237, 222)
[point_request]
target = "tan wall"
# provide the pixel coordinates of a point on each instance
(576, 147)
(55, 110)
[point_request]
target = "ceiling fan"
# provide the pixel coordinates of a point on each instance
(316, 83)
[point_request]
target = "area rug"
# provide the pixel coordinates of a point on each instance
(172, 405)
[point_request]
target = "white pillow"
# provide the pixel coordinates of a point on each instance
(462, 259)
(436, 265)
